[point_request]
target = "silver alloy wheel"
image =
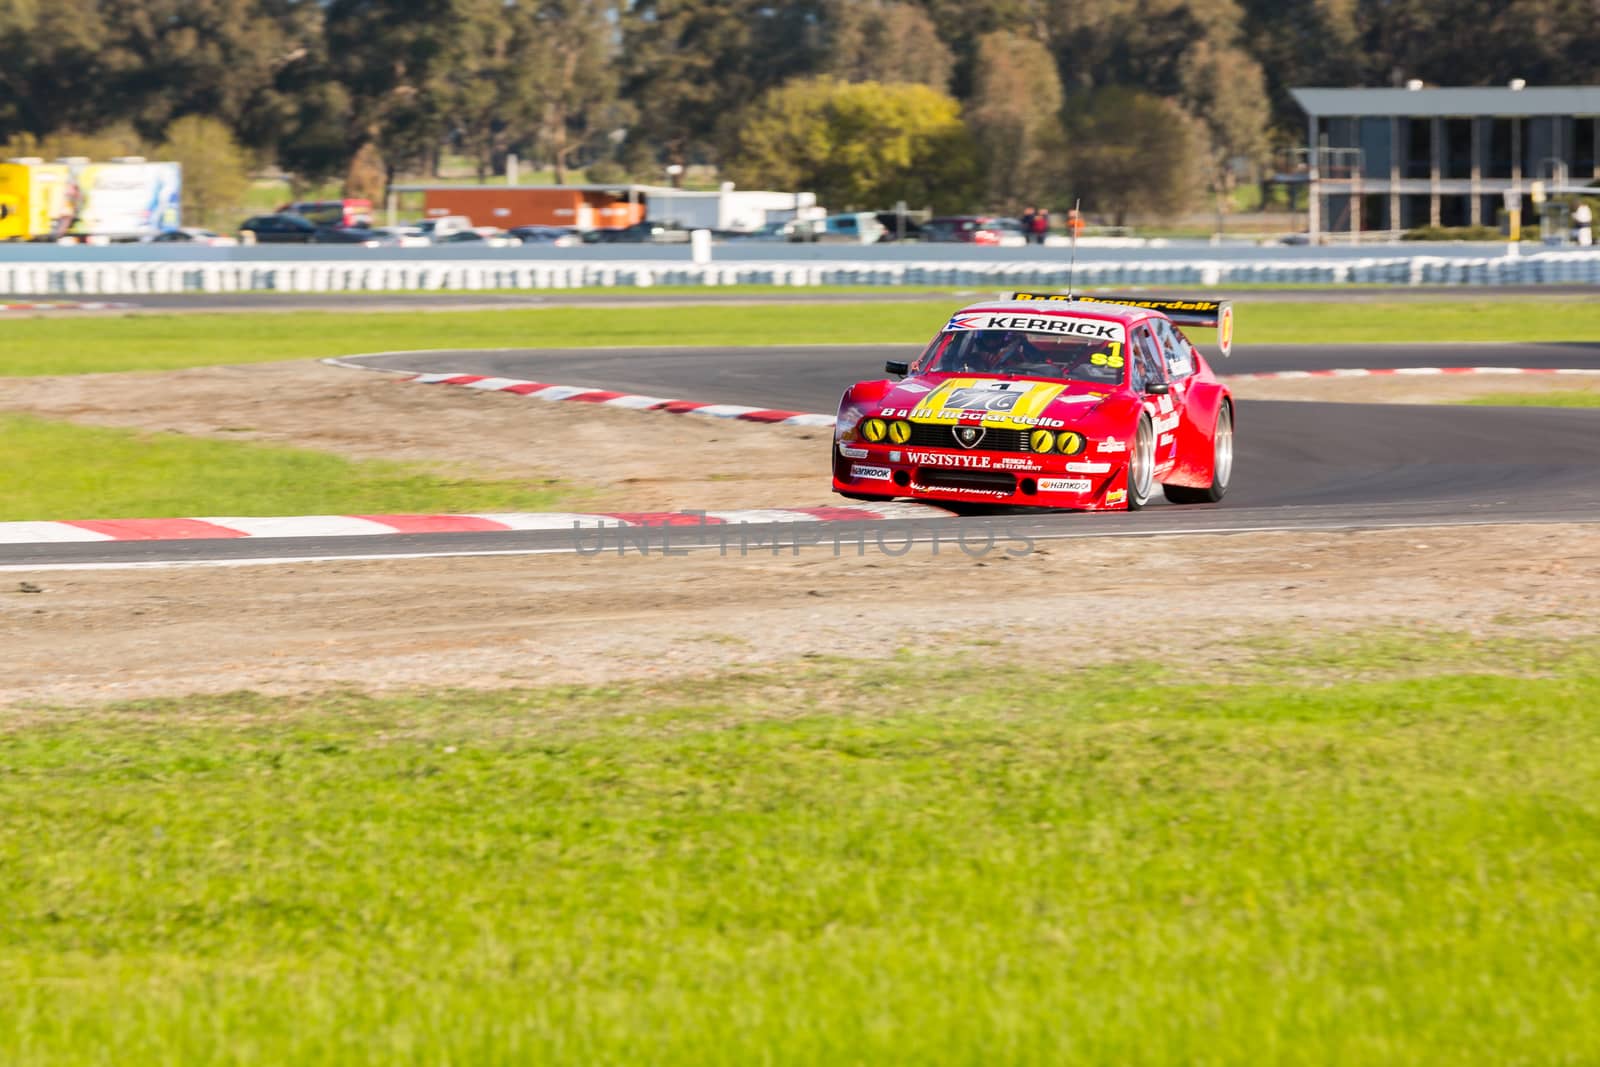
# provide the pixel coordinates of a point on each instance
(1222, 461)
(1142, 468)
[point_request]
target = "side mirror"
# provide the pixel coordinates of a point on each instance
(897, 367)
(1158, 389)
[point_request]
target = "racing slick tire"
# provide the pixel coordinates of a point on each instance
(1221, 466)
(1142, 465)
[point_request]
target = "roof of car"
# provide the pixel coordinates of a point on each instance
(1117, 312)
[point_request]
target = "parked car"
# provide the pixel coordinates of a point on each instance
(975, 230)
(898, 227)
(192, 235)
(862, 228)
(645, 232)
(487, 236)
(351, 235)
(442, 226)
(560, 236)
(356, 211)
(772, 231)
(282, 228)
(402, 236)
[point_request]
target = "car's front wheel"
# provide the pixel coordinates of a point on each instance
(1221, 466)
(1142, 465)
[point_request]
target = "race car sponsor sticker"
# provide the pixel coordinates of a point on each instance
(958, 489)
(1065, 485)
(1167, 423)
(1063, 325)
(1088, 468)
(949, 459)
(1116, 496)
(869, 474)
(1110, 445)
(853, 453)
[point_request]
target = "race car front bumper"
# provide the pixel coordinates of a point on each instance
(1001, 478)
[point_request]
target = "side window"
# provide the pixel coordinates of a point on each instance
(1147, 361)
(1180, 363)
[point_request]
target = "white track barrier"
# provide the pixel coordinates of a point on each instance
(342, 276)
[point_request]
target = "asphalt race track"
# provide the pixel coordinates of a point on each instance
(1298, 465)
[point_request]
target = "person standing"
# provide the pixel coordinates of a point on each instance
(1026, 220)
(1038, 226)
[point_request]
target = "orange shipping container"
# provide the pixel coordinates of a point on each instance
(582, 207)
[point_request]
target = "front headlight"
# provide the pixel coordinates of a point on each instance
(1041, 440)
(899, 432)
(1069, 442)
(874, 430)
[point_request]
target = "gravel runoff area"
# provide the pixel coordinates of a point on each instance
(89, 636)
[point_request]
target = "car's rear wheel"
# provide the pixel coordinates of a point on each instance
(1221, 466)
(1142, 465)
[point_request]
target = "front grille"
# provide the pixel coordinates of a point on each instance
(946, 478)
(932, 435)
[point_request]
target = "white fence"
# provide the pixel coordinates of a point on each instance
(124, 279)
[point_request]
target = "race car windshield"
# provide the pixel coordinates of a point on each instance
(1039, 355)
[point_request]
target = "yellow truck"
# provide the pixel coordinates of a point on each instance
(36, 194)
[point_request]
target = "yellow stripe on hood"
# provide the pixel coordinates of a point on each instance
(994, 400)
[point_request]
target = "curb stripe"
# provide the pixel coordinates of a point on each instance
(157, 529)
(302, 526)
(589, 395)
(70, 305)
(412, 524)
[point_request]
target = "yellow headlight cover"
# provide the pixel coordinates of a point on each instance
(899, 432)
(1069, 443)
(873, 430)
(1041, 440)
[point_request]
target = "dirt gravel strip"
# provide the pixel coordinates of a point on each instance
(607, 397)
(487, 623)
(192, 529)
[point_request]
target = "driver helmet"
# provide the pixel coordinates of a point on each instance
(999, 348)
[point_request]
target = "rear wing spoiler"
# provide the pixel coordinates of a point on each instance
(1202, 314)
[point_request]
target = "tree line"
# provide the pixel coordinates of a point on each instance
(1135, 105)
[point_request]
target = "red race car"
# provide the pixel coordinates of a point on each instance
(1048, 401)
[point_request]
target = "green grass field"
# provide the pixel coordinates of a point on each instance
(1379, 853)
(1587, 397)
(57, 470)
(156, 342)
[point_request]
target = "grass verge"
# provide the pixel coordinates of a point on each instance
(57, 470)
(894, 863)
(157, 342)
(1586, 397)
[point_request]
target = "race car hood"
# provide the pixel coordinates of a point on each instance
(951, 398)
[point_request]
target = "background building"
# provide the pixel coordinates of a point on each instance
(1395, 159)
